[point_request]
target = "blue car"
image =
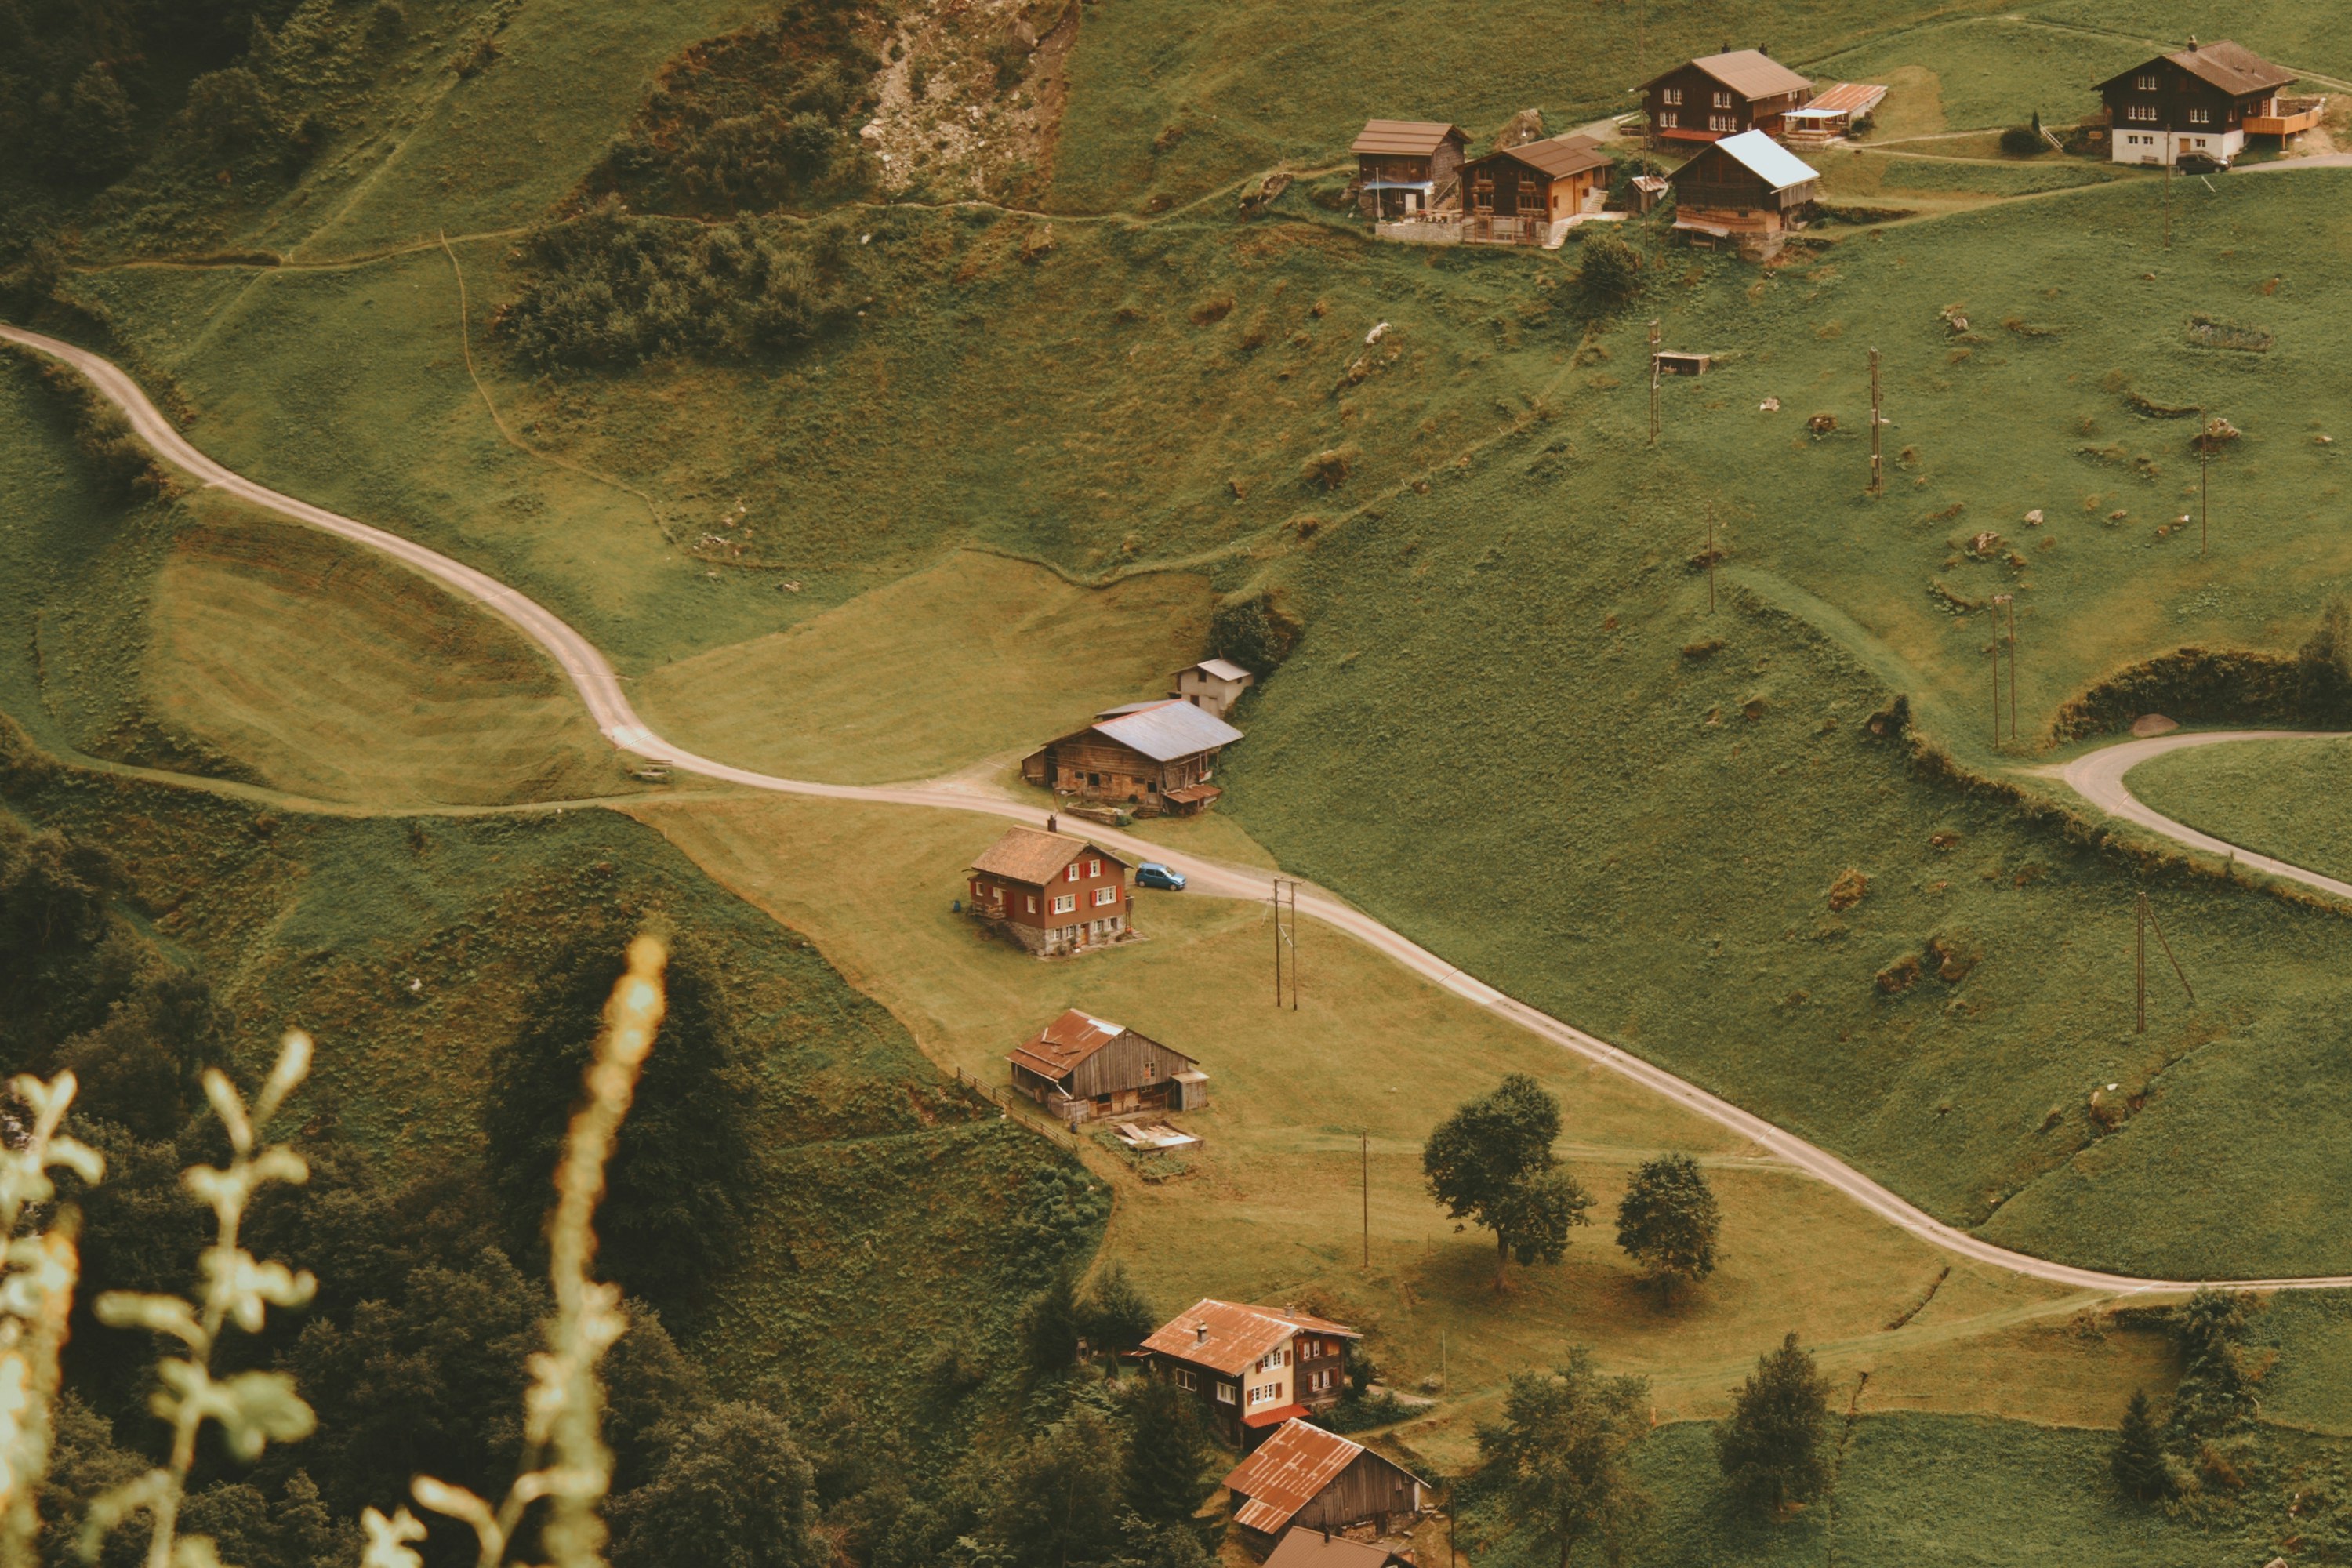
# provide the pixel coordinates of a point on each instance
(1153, 874)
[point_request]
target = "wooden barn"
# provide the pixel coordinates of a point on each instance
(1252, 1368)
(1052, 894)
(1405, 167)
(2203, 100)
(1156, 756)
(1529, 193)
(1079, 1067)
(1305, 1477)
(1723, 95)
(1747, 189)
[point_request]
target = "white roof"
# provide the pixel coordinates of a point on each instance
(1167, 731)
(1223, 669)
(1769, 160)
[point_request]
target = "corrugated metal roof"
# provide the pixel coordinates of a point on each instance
(1025, 854)
(1065, 1042)
(1766, 159)
(1845, 97)
(1558, 156)
(1223, 669)
(1166, 730)
(1303, 1548)
(1237, 1335)
(1751, 73)
(1404, 138)
(1289, 1472)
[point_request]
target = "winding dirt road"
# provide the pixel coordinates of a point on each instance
(600, 688)
(2098, 777)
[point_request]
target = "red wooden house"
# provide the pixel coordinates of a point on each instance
(1052, 894)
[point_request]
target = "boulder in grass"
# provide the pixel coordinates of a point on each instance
(1520, 129)
(2148, 724)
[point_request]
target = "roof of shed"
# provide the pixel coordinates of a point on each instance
(1026, 854)
(1168, 730)
(1750, 72)
(2233, 69)
(1289, 1472)
(1558, 156)
(1764, 158)
(1404, 138)
(1065, 1042)
(1303, 1548)
(1845, 97)
(1221, 668)
(1237, 1335)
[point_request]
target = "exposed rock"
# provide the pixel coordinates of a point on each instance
(1900, 975)
(2148, 724)
(1522, 127)
(1848, 889)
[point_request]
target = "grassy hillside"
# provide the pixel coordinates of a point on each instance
(2283, 798)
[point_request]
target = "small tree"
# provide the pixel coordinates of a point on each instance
(1049, 1328)
(1772, 1448)
(2217, 1381)
(2139, 1463)
(1668, 1221)
(1165, 1452)
(1491, 1164)
(1048, 1503)
(1611, 272)
(2024, 140)
(1559, 1456)
(734, 1489)
(1114, 1315)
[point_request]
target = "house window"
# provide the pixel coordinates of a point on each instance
(1094, 868)
(1070, 872)
(1224, 1394)
(2145, 112)
(1186, 1380)
(1723, 101)
(2145, 82)
(1065, 902)
(1722, 122)
(1671, 95)
(1668, 119)
(1033, 903)
(1106, 896)
(2201, 117)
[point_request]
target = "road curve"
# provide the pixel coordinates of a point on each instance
(600, 688)
(2098, 777)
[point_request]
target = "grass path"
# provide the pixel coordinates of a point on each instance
(600, 688)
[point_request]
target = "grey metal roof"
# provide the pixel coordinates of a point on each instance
(1223, 669)
(1166, 730)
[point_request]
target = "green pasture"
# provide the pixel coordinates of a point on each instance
(2286, 799)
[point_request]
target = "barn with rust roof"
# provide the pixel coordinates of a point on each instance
(1405, 166)
(1305, 1477)
(1080, 1067)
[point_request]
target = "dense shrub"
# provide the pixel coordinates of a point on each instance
(1255, 633)
(2023, 141)
(1610, 272)
(612, 290)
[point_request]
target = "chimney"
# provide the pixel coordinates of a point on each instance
(1200, 1333)
(1764, 49)
(2192, 42)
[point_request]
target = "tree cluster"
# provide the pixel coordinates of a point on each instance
(1559, 1461)
(1491, 1164)
(2203, 1436)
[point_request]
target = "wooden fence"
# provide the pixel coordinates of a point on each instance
(1020, 1109)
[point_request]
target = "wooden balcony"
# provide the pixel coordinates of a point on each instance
(2291, 116)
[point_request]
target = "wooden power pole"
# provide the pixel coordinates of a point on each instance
(1878, 480)
(2204, 484)
(2013, 664)
(1364, 1156)
(2147, 920)
(1286, 943)
(2174, 152)
(1653, 381)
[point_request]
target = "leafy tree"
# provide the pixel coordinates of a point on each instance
(228, 109)
(2140, 1466)
(734, 1492)
(1773, 1447)
(1559, 1456)
(1669, 1220)
(1143, 1544)
(671, 1213)
(1610, 271)
(2324, 664)
(144, 1064)
(85, 1461)
(1048, 1509)
(1114, 1316)
(100, 129)
(1165, 1452)
(2217, 1381)
(1491, 1164)
(1049, 1327)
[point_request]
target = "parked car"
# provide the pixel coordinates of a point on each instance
(2203, 163)
(1153, 874)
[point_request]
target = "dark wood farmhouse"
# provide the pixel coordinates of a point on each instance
(1528, 195)
(1052, 894)
(1747, 189)
(1723, 95)
(2203, 99)
(1080, 1067)
(1304, 1476)
(1403, 167)
(1156, 756)
(1252, 1368)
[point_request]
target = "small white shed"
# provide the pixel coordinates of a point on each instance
(1213, 684)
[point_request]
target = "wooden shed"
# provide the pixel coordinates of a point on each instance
(1529, 195)
(1747, 189)
(1405, 167)
(1080, 1067)
(1722, 95)
(1307, 1477)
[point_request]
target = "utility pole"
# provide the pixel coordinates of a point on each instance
(1364, 1154)
(1878, 480)
(2004, 602)
(2204, 485)
(2147, 919)
(2139, 965)
(2013, 664)
(1710, 560)
(1653, 381)
(2172, 152)
(1996, 672)
(1286, 941)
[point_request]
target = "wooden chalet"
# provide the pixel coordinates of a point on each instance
(1747, 189)
(1252, 1368)
(1529, 193)
(1723, 95)
(1320, 1548)
(2205, 99)
(1405, 167)
(1305, 1477)
(1079, 1067)
(1052, 894)
(1213, 685)
(1156, 756)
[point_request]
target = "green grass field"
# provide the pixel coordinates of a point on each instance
(2280, 798)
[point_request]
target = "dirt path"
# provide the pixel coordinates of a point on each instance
(600, 689)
